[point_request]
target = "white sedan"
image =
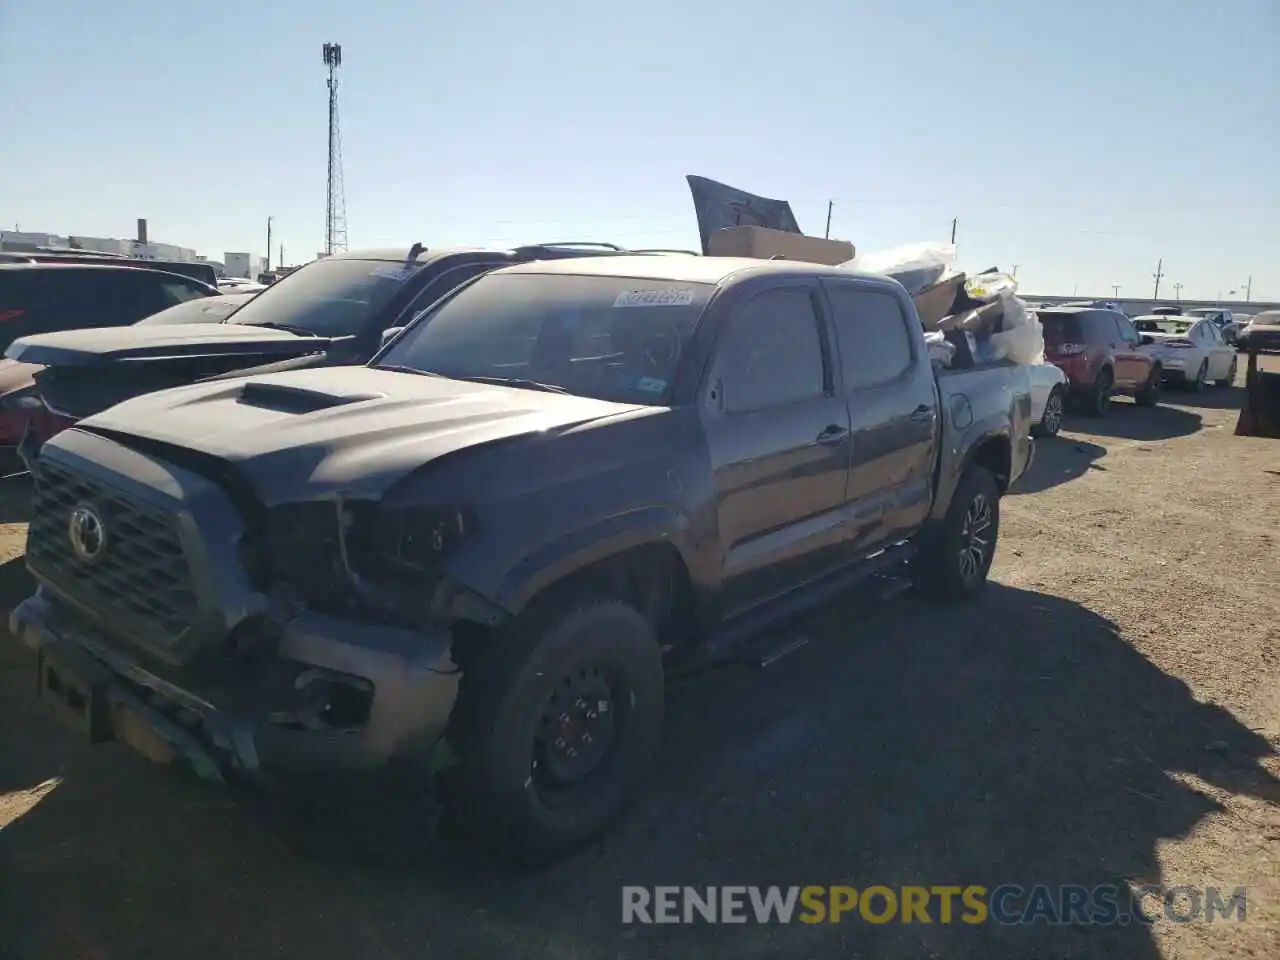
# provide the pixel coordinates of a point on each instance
(1048, 399)
(1191, 350)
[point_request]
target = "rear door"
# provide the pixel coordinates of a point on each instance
(777, 429)
(893, 416)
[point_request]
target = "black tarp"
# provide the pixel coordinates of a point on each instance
(719, 205)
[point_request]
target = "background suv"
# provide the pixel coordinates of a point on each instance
(1100, 352)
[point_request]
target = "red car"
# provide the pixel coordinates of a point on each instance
(1101, 353)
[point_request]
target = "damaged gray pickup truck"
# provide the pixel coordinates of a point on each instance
(476, 558)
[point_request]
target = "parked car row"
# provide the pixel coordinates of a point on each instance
(521, 487)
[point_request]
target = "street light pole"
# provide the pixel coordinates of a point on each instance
(1177, 291)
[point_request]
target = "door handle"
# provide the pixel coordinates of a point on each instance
(922, 413)
(833, 435)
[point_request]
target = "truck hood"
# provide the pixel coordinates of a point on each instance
(155, 344)
(305, 434)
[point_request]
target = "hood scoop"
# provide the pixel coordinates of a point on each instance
(289, 399)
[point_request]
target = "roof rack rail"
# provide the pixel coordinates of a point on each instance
(692, 253)
(576, 243)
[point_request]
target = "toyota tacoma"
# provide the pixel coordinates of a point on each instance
(477, 557)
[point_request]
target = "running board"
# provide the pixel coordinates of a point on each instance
(749, 638)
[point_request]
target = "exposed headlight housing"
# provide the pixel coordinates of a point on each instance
(343, 556)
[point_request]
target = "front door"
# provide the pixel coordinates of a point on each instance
(778, 435)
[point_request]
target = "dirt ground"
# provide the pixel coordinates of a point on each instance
(1109, 712)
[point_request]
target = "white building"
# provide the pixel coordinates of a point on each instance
(27, 240)
(242, 265)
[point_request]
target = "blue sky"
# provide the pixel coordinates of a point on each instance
(1081, 142)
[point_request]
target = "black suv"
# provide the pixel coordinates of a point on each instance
(333, 311)
(43, 297)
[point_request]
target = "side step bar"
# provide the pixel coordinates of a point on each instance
(754, 638)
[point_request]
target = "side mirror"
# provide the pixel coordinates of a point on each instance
(389, 334)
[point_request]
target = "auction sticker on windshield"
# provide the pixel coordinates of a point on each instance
(396, 272)
(654, 298)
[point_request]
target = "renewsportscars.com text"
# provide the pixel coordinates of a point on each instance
(1009, 904)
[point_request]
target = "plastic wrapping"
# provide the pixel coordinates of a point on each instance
(987, 287)
(939, 349)
(915, 265)
(1021, 338)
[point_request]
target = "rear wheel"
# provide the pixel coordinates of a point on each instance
(955, 555)
(1098, 400)
(1230, 379)
(1196, 384)
(1051, 420)
(1149, 395)
(557, 726)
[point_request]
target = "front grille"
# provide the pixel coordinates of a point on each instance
(140, 584)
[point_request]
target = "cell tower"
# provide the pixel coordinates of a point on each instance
(335, 221)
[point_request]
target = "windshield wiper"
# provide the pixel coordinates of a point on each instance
(516, 382)
(288, 328)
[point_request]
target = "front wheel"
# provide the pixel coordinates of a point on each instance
(955, 555)
(557, 726)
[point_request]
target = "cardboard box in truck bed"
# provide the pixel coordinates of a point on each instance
(764, 244)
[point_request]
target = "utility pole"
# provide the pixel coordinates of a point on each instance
(1158, 274)
(1248, 290)
(830, 204)
(954, 223)
(1177, 291)
(281, 263)
(268, 244)
(1015, 272)
(1115, 291)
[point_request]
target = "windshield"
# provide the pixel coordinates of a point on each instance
(611, 338)
(329, 297)
(1162, 325)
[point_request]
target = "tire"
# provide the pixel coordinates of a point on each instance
(1149, 395)
(1097, 401)
(568, 659)
(940, 570)
(1051, 420)
(1230, 379)
(1196, 384)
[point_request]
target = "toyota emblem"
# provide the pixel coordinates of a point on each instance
(87, 532)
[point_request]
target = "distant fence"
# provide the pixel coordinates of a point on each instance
(1135, 307)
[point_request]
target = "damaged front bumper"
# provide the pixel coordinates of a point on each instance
(338, 696)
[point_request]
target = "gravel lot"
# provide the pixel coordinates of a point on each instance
(1109, 712)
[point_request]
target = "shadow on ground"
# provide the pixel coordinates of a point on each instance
(1210, 398)
(15, 500)
(1128, 421)
(1020, 741)
(1058, 460)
